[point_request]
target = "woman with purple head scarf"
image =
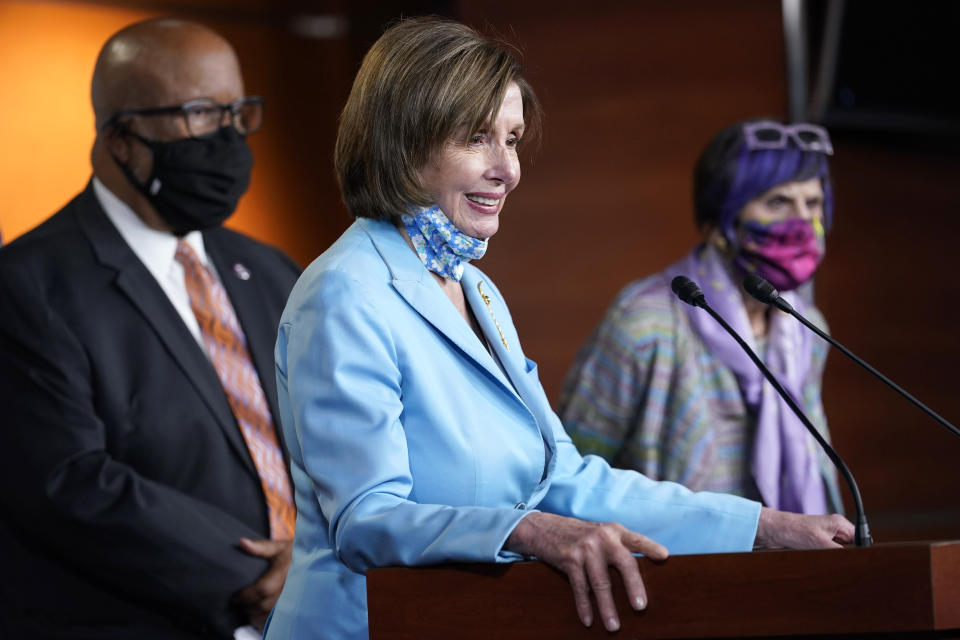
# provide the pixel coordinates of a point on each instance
(661, 388)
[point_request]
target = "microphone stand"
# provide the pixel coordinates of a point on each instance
(692, 295)
(773, 297)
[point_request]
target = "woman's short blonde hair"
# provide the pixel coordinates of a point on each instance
(424, 80)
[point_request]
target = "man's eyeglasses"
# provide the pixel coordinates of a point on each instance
(773, 135)
(204, 116)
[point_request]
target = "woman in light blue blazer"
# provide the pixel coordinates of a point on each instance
(419, 433)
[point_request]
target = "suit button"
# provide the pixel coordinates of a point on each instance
(521, 506)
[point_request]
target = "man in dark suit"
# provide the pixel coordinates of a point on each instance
(143, 489)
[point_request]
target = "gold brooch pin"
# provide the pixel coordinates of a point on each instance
(486, 300)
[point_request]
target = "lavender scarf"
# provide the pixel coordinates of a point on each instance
(784, 463)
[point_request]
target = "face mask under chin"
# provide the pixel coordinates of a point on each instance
(195, 183)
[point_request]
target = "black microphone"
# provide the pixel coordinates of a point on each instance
(765, 292)
(688, 291)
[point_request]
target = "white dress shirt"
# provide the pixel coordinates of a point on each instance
(157, 251)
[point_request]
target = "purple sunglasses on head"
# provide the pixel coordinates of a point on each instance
(773, 135)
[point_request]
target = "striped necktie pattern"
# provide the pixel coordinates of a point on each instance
(227, 349)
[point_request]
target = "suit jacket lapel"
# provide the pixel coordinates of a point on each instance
(493, 317)
(414, 283)
(136, 282)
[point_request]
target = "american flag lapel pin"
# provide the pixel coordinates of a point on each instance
(241, 271)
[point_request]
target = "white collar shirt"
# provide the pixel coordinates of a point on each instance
(157, 251)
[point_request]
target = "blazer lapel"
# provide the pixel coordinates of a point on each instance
(494, 318)
(414, 283)
(136, 282)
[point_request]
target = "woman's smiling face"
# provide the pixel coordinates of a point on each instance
(470, 182)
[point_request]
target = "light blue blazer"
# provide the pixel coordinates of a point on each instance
(411, 445)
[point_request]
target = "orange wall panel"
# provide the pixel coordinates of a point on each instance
(47, 53)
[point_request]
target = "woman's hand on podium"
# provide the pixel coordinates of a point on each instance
(584, 551)
(781, 529)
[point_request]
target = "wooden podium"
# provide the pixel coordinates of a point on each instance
(908, 590)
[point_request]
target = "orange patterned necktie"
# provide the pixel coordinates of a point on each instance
(227, 349)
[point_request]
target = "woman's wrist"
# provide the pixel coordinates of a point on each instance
(521, 538)
(767, 525)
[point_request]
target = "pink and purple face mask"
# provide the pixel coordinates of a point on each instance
(786, 253)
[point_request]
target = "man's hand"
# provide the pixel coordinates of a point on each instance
(258, 598)
(585, 551)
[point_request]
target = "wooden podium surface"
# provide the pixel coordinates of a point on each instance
(899, 590)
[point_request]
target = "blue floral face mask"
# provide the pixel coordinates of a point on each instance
(442, 247)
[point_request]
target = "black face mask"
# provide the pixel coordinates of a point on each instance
(196, 182)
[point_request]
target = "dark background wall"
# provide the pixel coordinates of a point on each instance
(632, 91)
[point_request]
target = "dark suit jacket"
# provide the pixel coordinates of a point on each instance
(125, 482)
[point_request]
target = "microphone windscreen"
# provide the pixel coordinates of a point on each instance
(688, 291)
(760, 289)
